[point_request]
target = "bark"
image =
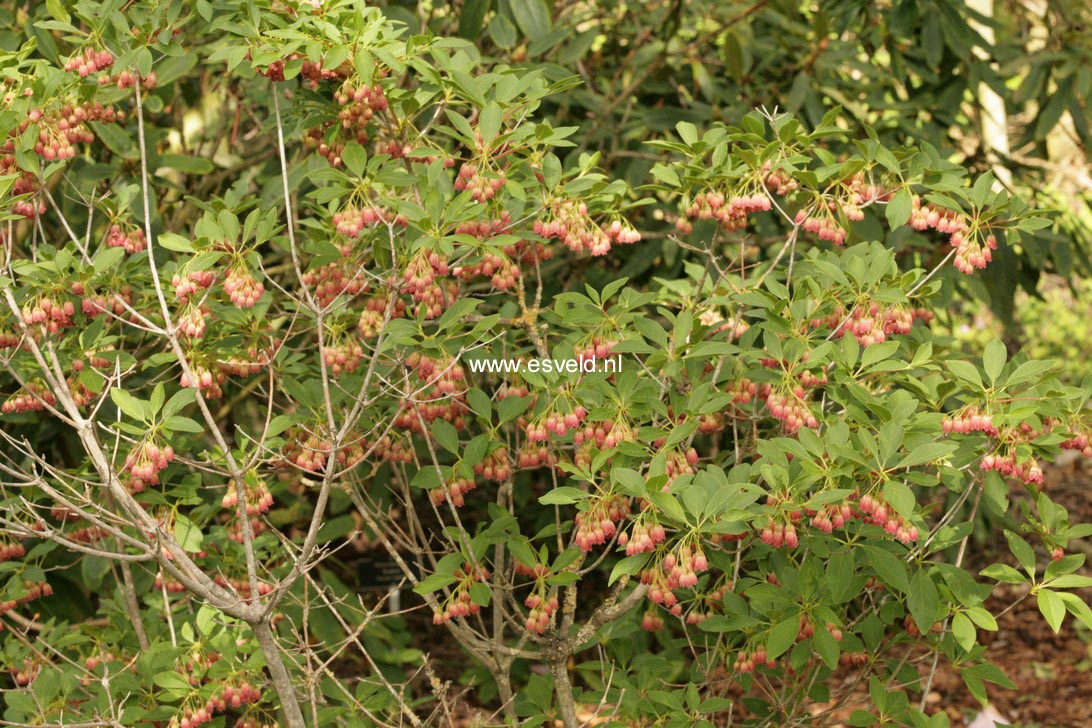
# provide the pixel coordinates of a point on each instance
(282, 681)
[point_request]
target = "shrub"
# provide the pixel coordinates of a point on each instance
(210, 394)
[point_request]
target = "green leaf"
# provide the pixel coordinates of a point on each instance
(966, 371)
(57, 10)
(1052, 608)
(923, 601)
(472, 18)
(782, 636)
(899, 208)
(128, 404)
(502, 32)
(175, 242)
(532, 17)
(888, 567)
(1071, 581)
(928, 452)
(628, 566)
(355, 159)
(900, 497)
(993, 359)
(182, 424)
(446, 434)
(1022, 551)
(840, 575)
(173, 683)
(489, 123)
(187, 534)
(563, 496)
(964, 632)
(1003, 573)
(432, 583)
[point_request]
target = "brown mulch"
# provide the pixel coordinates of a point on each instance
(1052, 672)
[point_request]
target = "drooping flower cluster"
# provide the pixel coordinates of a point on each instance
(31, 590)
(91, 61)
(375, 311)
(973, 251)
(441, 393)
(242, 288)
(49, 314)
(482, 186)
(791, 409)
(495, 466)
(596, 525)
(360, 103)
(821, 222)
(872, 322)
(556, 423)
(460, 603)
(570, 223)
(126, 236)
(1081, 442)
(969, 419)
(877, 513)
(729, 212)
(642, 538)
(455, 488)
(145, 462)
(34, 397)
(258, 498)
(60, 132)
(1025, 469)
(192, 282)
(229, 698)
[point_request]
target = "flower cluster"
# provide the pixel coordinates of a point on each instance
(872, 322)
(729, 212)
(454, 489)
(359, 106)
(51, 315)
(556, 423)
(969, 419)
(570, 223)
(748, 661)
(599, 522)
(34, 397)
(820, 221)
(228, 698)
(375, 311)
(242, 288)
(791, 409)
(343, 355)
(91, 61)
(11, 550)
(204, 379)
(127, 236)
(1080, 442)
(642, 538)
(460, 603)
(495, 466)
(972, 251)
(1027, 469)
(258, 498)
(190, 283)
(482, 187)
(876, 512)
(31, 590)
(352, 220)
(58, 134)
(145, 462)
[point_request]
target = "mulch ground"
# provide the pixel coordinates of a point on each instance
(1052, 672)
